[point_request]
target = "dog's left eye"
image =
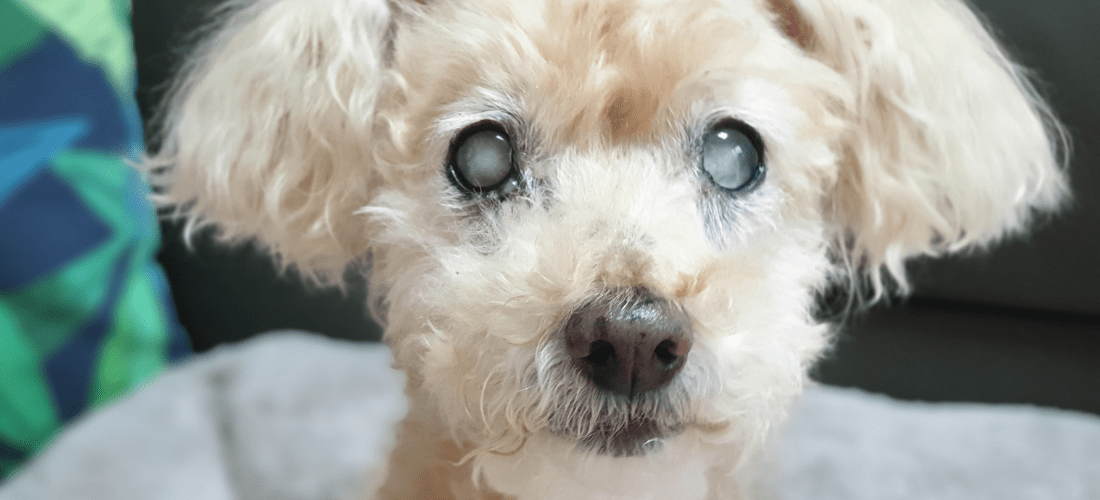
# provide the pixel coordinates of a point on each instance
(732, 155)
(483, 160)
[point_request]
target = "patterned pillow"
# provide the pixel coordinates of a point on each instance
(85, 311)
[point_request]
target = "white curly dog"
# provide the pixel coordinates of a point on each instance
(596, 230)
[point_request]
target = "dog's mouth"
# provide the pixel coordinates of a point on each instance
(625, 434)
(636, 438)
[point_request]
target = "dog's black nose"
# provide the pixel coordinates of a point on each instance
(630, 342)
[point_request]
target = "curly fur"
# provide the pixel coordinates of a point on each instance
(319, 128)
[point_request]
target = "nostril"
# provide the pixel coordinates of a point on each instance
(668, 352)
(601, 353)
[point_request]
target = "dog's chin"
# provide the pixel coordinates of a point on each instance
(636, 438)
(614, 426)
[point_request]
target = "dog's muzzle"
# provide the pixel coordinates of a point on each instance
(627, 346)
(629, 342)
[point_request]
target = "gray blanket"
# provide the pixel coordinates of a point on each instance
(291, 416)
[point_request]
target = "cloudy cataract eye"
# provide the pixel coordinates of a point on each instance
(730, 157)
(483, 160)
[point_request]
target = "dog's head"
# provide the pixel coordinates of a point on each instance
(604, 223)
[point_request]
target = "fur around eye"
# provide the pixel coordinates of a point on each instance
(732, 155)
(482, 160)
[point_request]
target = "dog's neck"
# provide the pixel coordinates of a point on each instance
(428, 464)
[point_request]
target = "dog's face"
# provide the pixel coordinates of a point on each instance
(599, 227)
(600, 231)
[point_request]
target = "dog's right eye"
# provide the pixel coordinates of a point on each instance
(733, 156)
(482, 161)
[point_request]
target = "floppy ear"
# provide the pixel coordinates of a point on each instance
(268, 131)
(949, 146)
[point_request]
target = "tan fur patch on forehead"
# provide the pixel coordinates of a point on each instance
(630, 110)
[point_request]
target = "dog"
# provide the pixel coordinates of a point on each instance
(597, 231)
